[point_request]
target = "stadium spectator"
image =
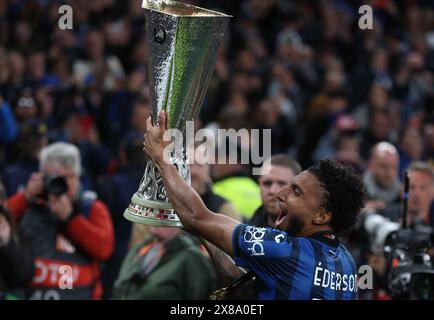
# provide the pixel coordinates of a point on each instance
(381, 178)
(115, 191)
(60, 224)
(24, 155)
(16, 265)
(167, 266)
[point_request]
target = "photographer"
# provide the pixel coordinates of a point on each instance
(62, 225)
(379, 225)
(420, 198)
(16, 267)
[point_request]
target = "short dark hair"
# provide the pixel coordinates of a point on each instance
(344, 194)
(283, 160)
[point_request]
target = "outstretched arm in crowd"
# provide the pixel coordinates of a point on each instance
(193, 213)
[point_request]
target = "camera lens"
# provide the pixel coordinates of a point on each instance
(422, 286)
(55, 185)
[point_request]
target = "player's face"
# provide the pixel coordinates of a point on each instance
(299, 203)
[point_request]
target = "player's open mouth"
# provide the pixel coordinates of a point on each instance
(282, 214)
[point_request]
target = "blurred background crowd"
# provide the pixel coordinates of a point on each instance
(303, 69)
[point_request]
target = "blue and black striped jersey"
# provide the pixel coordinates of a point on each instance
(300, 268)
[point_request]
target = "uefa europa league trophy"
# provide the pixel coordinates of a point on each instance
(182, 44)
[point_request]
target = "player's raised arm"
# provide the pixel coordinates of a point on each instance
(193, 213)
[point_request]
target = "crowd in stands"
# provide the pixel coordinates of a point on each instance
(74, 102)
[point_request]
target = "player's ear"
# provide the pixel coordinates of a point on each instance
(322, 217)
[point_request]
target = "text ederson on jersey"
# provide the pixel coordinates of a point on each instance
(295, 267)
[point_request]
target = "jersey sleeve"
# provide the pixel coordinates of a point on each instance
(256, 248)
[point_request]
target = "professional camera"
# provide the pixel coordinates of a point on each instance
(409, 271)
(55, 185)
(378, 230)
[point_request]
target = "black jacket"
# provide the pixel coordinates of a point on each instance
(16, 269)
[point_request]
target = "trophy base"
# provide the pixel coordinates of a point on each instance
(152, 213)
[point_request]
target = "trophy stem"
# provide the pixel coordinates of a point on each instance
(150, 204)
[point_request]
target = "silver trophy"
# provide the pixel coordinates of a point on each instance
(182, 45)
